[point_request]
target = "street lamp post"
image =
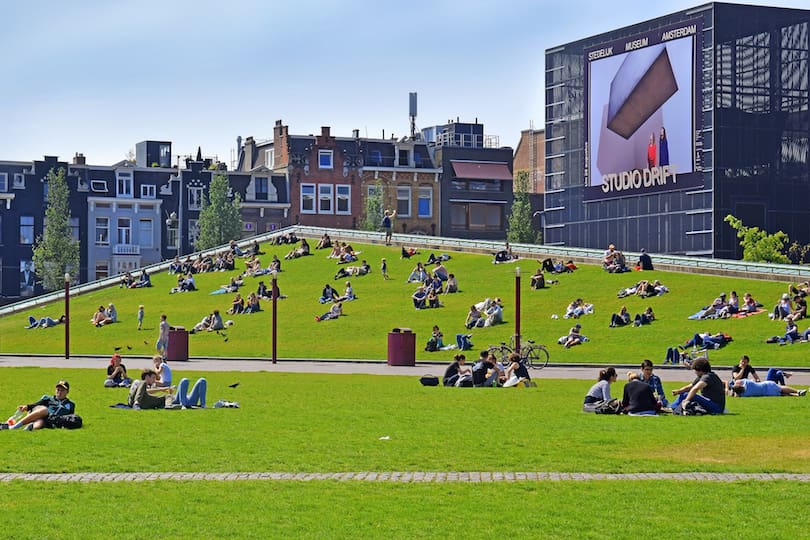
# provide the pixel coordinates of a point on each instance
(67, 316)
(517, 309)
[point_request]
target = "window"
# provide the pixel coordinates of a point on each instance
(173, 235)
(123, 182)
(102, 234)
(165, 155)
(324, 198)
(148, 191)
(145, 232)
(476, 216)
(324, 159)
(102, 269)
(375, 158)
(344, 200)
(26, 229)
(307, 198)
(260, 188)
(270, 158)
(425, 203)
(193, 231)
(19, 181)
(124, 231)
(45, 186)
(195, 198)
(98, 186)
(403, 158)
(3, 182)
(404, 201)
(74, 228)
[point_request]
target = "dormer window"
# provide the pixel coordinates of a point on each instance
(325, 159)
(270, 158)
(98, 186)
(148, 191)
(123, 182)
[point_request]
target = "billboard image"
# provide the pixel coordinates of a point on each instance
(642, 132)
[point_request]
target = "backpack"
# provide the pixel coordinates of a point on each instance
(614, 406)
(67, 421)
(429, 380)
(432, 345)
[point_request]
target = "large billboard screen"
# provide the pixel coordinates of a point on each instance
(643, 114)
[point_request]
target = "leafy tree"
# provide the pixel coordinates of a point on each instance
(220, 220)
(56, 252)
(373, 209)
(519, 228)
(758, 245)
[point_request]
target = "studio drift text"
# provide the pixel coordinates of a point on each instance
(639, 178)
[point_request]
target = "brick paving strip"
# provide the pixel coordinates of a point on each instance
(399, 477)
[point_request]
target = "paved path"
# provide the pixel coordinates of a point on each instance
(801, 376)
(401, 477)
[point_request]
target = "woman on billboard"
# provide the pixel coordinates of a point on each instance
(663, 148)
(651, 152)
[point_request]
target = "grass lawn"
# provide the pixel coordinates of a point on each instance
(333, 423)
(577, 510)
(383, 305)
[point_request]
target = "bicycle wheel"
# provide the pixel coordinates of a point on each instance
(536, 357)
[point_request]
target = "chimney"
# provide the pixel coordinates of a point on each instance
(79, 159)
(325, 132)
(356, 133)
(250, 150)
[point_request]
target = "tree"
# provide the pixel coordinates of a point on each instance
(56, 252)
(220, 220)
(519, 228)
(373, 209)
(758, 245)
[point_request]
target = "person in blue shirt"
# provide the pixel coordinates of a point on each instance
(646, 375)
(43, 413)
(749, 388)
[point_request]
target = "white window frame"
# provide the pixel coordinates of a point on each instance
(148, 191)
(404, 189)
(98, 186)
(124, 184)
(270, 158)
(326, 154)
(314, 191)
(422, 191)
(150, 234)
(343, 192)
(99, 241)
(102, 267)
(326, 193)
(123, 231)
(164, 152)
(3, 182)
(195, 198)
(19, 181)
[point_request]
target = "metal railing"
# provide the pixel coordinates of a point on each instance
(720, 267)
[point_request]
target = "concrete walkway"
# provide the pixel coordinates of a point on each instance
(401, 477)
(801, 376)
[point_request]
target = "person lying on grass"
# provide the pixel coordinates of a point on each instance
(748, 388)
(44, 322)
(44, 412)
(334, 312)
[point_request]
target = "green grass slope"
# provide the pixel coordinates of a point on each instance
(383, 305)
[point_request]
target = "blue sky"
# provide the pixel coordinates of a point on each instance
(98, 76)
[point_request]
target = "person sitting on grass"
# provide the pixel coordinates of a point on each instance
(451, 285)
(485, 371)
(436, 340)
(148, 394)
(45, 412)
(433, 299)
(143, 281)
(646, 375)
(100, 317)
(163, 371)
(748, 388)
(456, 370)
(538, 280)
(418, 274)
(116, 373)
(419, 297)
(328, 294)
(473, 318)
(599, 393)
(348, 293)
(620, 319)
(252, 305)
(638, 398)
(111, 312)
(237, 305)
(516, 371)
(44, 322)
(324, 242)
(126, 280)
(644, 318)
(494, 313)
(574, 336)
(707, 391)
(300, 251)
(334, 312)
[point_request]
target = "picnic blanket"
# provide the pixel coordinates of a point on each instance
(743, 314)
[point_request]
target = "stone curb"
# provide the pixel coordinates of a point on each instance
(400, 477)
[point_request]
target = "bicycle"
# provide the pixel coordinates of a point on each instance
(535, 356)
(501, 352)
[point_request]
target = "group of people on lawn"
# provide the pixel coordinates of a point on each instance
(487, 371)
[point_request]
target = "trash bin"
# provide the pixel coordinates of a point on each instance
(401, 347)
(178, 344)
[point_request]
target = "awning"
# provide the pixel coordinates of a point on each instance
(481, 170)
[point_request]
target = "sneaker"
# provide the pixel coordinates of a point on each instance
(29, 427)
(317, 319)
(3, 426)
(801, 393)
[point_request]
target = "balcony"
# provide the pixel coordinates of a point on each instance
(126, 249)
